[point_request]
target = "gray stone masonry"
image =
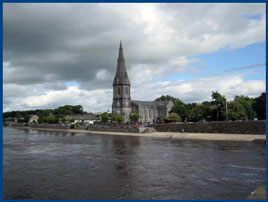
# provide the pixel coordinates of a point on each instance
(234, 127)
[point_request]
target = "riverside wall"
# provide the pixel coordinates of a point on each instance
(52, 126)
(232, 127)
(108, 128)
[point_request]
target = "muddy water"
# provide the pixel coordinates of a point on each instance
(55, 165)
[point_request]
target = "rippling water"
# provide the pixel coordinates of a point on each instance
(55, 165)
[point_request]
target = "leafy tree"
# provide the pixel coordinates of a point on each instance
(134, 117)
(197, 112)
(53, 120)
(259, 106)
(78, 109)
(20, 120)
(104, 117)
(172, 117)
(117, 117)
(166, 98)
(63, 120)
(71, 120)
(236, 111)
(159, 119)
(181, 109)
(26, 119)
(43, 120)
(64, 110)
(219, 101)
(246, 102)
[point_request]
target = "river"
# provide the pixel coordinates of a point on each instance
(58, 165)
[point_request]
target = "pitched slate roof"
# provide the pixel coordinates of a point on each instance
(155, 103)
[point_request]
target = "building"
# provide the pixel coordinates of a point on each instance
(33, 119)
(148, 111)
(83, 118)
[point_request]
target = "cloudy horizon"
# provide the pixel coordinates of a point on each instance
(59, 54)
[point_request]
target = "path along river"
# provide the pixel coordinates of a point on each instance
(59, 165)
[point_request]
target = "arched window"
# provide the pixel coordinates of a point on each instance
(126, 91)
(118, 90)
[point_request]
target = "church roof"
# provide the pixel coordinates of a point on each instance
(121, 77)
(155, 103)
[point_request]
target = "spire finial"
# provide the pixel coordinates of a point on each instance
(120, 43)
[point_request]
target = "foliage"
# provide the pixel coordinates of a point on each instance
(236, 111)
(134, 117)
(63, 120)
(117, 117)
(197, 112)
(259, 106)
(52, 120)
(173, 117)
(166, 98)
(43, 120)
(159, 119)
(182, 109)
(46, 113)
(73, 126)
(241, 108)
(246, 103)
(104, 117)
(220, 102)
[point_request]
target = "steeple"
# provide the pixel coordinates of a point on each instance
(121, 77)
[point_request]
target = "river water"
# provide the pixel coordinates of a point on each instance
(57, 165)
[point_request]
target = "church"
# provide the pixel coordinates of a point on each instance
(148, 111)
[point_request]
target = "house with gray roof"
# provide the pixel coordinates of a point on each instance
(83, 118)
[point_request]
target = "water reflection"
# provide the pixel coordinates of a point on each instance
(124, 149)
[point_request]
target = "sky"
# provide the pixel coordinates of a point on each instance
(66, 54)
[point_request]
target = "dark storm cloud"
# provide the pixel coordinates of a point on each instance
(57, 54)
(60, 42)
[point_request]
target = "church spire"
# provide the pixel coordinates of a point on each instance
(121, 76)
(121, 60)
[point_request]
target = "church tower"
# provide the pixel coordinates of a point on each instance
(121, 88)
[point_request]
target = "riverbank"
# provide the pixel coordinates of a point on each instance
(172, 135)
(258, 194)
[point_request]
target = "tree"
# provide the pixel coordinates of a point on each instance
(236, 111)
(63, 120)
(181, 109)
(117, 117)
(172, 117)
(134, 117)
(220, 102)
(104, 117)
(247, 103)
(259, 106)
(78, 109)
(42, 120)
(197, 112)
(166, 98)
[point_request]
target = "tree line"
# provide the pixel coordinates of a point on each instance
(46, 115)
(218, 109)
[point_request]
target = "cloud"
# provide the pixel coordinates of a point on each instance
(47, 45)
(100, 100)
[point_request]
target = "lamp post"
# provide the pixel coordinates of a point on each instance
(226, 107)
